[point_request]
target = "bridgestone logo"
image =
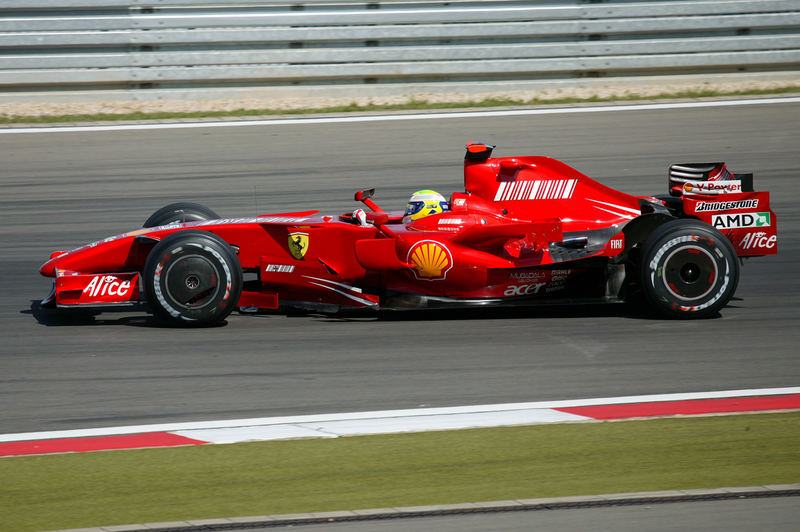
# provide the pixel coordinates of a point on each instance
(710, 206)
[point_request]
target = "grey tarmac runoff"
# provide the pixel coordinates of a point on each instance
(63, 189)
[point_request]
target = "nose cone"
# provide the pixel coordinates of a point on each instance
(48, 269)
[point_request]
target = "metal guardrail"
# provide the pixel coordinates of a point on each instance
(79, 44)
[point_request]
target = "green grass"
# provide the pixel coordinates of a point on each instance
(153, 485)
(416, 104)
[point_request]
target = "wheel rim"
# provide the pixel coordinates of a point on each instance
(690, 273)
(192, 282)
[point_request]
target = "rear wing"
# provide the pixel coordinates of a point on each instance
(727, 202)
(706, 178)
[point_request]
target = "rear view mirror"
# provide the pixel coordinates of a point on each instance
(361, 195)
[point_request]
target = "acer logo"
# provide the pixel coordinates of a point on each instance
(523, 290)
(102, 285)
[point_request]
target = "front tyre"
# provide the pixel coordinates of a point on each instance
(688, 269)
(192, 278)
(180, 212)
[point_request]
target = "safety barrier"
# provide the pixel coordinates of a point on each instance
(141, 44)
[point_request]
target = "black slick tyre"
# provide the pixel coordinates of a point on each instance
(180, 212)
(688, 269)
(192, 278)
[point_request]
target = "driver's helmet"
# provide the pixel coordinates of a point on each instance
(424, 203)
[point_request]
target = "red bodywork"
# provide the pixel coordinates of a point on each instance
(524, 228)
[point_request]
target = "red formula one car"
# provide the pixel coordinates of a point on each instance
(525, 230)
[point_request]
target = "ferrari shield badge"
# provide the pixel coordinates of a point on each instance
(431, 260)
(298, 244)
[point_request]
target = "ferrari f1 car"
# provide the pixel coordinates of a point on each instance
(525, 230)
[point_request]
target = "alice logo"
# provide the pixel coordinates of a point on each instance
(431, 260)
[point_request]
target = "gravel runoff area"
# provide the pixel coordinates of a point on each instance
(278, 99)
(555, 503)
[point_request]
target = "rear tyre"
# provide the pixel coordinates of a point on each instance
(688, 269)
(192, 278)
(179, 213)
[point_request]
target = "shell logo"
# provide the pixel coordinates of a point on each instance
(431, 260)
(687, 187)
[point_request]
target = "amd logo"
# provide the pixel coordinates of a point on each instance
(745, 219)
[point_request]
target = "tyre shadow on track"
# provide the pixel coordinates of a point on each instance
(52, 317)
(559, 312)
(556, 311)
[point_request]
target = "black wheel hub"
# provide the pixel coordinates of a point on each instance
(690, 272)
(192, 281)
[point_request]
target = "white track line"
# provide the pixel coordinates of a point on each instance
(380, 425)
(397, 117)
(416, 416)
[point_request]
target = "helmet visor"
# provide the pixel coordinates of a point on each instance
(414, 207)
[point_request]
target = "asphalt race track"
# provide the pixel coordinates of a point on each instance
(61, 190)
(774, 514)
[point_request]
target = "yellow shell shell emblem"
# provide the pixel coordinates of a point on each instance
(298, 244)
(431, 260)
